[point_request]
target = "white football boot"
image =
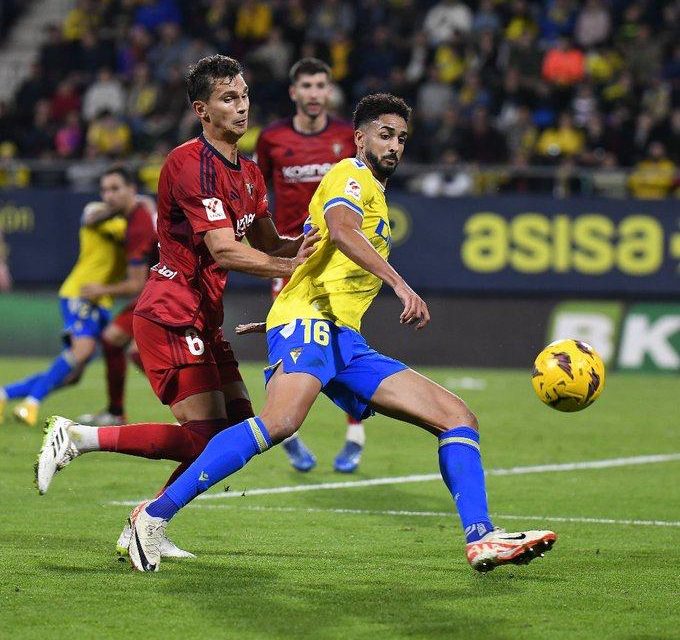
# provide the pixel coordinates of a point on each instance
(500, 547)
(168, 548)
(57, 451)
(147, 535)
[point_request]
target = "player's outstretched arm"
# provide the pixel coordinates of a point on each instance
(132, 285)
(232, 255)
(263, 236)
(344, 226)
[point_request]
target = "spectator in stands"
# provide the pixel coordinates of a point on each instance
(447, 20)
(434, 98)
(132, 50)
(196, 49)
(482, 142)
(108, 136)
(274, 56)
(91, 54)
(254, 21)
(151, 14)
(34, 88)
(83, 17)
(520, 132)
(557, 20)
(593, 25)
(65, 100)
(486, 18)
(106, 93)
(168, 53)
(563, 64)
(448, 178)
(37, 140)
(68, 140)
(653, 177)
(330, 17)
(13, 172)
(560, 142)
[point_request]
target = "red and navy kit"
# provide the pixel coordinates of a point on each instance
(294, 163)
(141, 247)
(199, 190)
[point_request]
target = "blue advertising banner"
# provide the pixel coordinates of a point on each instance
(496, 245)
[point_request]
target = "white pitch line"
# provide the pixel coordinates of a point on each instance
(428, 477)
(442, 514)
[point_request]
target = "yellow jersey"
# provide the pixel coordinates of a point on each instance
(101, 259)
(329, 285)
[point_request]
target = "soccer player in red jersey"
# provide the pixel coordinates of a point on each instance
(119, 195)
(294, 154)
(209, 198)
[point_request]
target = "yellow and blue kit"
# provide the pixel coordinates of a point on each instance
(313, 326)
(101, 260)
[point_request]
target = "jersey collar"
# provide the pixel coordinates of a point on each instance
(235, 166)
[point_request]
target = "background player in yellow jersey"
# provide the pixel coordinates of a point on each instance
(101, 261)
(315, 346)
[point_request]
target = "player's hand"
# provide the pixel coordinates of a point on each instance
(5, 277)
(91, 291)
(415, 310)
(307, 247)
(250, 327)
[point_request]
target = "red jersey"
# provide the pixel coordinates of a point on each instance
(295, 162)
(198, 190)
(141, 241)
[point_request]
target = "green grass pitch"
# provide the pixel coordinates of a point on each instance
(295, 565)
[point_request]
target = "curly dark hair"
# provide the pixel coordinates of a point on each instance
(377, 104)
(202, 76)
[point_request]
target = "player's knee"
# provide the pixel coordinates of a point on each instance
(280, 427)
(458, 414)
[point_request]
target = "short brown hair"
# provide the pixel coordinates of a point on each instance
(308, 67)
(202, 76)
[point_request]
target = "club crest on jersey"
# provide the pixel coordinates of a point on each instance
(353, 188)
(214, 209)
(337, 148)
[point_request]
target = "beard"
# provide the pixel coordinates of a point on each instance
(383, 171)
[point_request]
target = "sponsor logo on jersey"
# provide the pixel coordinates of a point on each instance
(353, 188)
(164, 271)
(214, 209)
(243, 224)
(306, 172)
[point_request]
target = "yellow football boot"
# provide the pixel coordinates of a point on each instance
(27, 412)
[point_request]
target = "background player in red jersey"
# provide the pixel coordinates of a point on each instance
(119, 195)
(294, 154)
(209, 198)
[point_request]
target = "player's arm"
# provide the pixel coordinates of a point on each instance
(262, 235)
(344, 226)
(132, 285)
(232, 255)
(94, 213)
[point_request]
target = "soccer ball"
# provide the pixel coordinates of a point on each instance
(568, 375)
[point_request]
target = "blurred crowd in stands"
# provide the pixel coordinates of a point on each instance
(564, 84)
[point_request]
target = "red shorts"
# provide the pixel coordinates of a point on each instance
(277, 285)
(181, 362)
(124, 319)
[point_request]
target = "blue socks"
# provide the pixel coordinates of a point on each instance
(460, 463)
(22, 388)
(52, 378)
(226, 453)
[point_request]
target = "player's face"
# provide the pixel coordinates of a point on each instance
(311, 93)
(116, 193)
(226, 112)
(381, 143)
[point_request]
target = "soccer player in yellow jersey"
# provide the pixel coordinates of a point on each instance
(101, 260)
(315, 346)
